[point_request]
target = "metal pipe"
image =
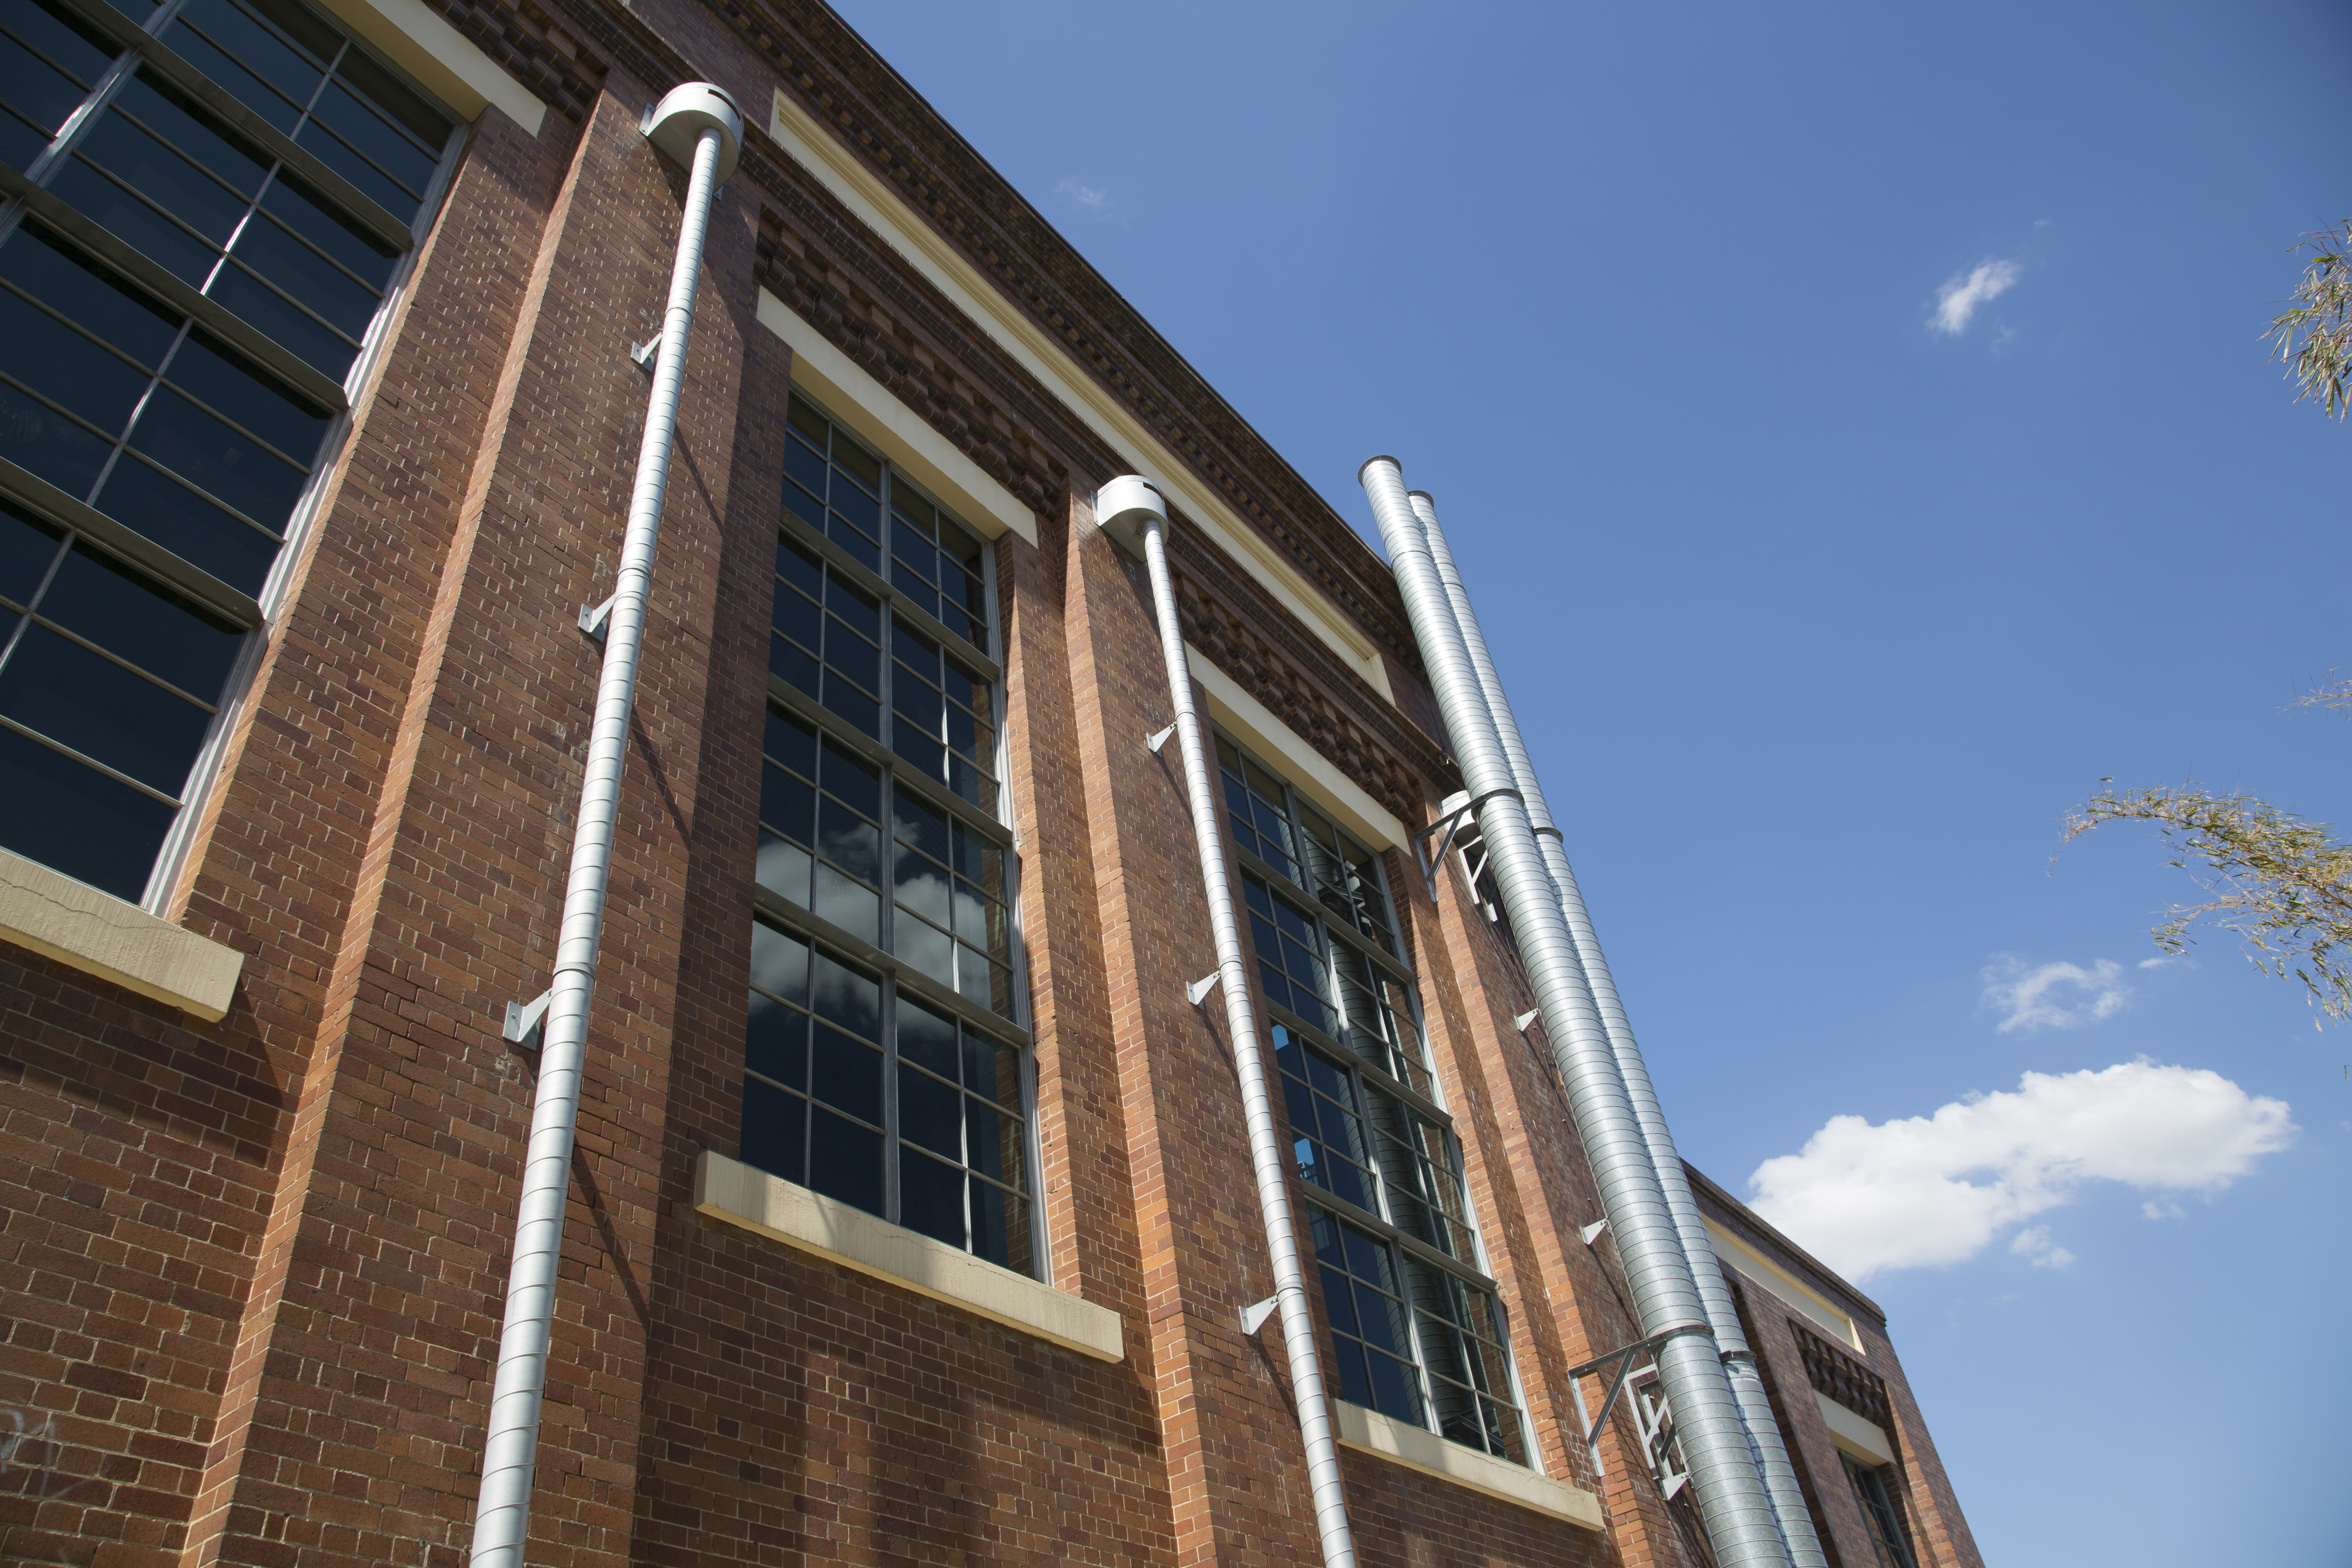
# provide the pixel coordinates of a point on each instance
(1132, 502)
(1786, 1497)
(702, 121)
(1732, 1501)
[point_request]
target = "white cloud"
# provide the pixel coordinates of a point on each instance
(2033, 1244)
(2155, 1210)
(1958, 299)
(1084, 195)
(1939, 1189)
(2052, 995)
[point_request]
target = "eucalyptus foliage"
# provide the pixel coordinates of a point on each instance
(2314, 337)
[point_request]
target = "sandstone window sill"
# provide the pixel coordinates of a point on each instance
(1369, 1432)
(739, 1194)
(121, 943)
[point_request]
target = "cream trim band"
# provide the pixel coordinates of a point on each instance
(740, 1194)
(872, 200)
(1369, 1432)
(119, 942)
(871, 409)
(1779, 1282)
(1856, 1433)
(444, 61)
(1308, 771)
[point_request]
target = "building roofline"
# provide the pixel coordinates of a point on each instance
(1819, 1274)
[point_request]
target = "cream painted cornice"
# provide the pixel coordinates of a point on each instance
(880, 208)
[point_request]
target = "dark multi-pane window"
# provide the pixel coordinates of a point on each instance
(125, 404)
(866, 648)
(1416, 1328)
(844, 493)
(856, 1088)
(899, 1085)
(1890, 1537)
(162, 289)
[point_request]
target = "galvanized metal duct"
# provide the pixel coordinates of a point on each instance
(1129, 506)
(1732, 1501)
(1788, 1500)
(698, 126)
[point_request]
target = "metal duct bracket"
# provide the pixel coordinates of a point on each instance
(647, 354)
(1202, 987)
(1450, 824)
(1623, 1360)
(1253, 1317)
(526, 1021)
(1158, 740)
(594, 617)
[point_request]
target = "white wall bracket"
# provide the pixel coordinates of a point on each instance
(1253, 1317)
(647, 354)
(1524, 1019)
(1202, 987)
(1592, 1233)
(593, 617)
(1160, 740)
(526, 1021)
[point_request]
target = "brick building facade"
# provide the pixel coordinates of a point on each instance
(910, 1215)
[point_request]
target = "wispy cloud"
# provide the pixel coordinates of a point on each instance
(1959, 299)
(1086, 196)
(2033, 1244)
(2052, 995)
(1939, 1189)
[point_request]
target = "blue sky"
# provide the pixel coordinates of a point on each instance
(1819, 618)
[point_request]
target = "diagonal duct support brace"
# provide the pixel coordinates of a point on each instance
(1128, 507)
(1733, 1503)
(698, 126)
(1780, 1483)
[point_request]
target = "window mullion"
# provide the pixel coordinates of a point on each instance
(891, 1208)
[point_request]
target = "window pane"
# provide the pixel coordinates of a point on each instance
(1000, 1226)
(36, 89)
(149, 232)
(775, 1042)
(925, 1038)
(780, 964)
(58, 362)
(931, 1197)
(27, 546)
(318, 220)
(259, 305)
(846, 1073)
(291, 76)
(101, 709)
(845, 998)
(76, 821)
(845, 1161)
(211, 371)
(187, 524)
(378, 86)
(53, 270)
(775, 1131)
(198, 447)
(35, 435)
(134, 617)
(930, 1113)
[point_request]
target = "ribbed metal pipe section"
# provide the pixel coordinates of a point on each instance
(1788, 1500)
(1134, 500)
(1732, 1501)
(502, 1511)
